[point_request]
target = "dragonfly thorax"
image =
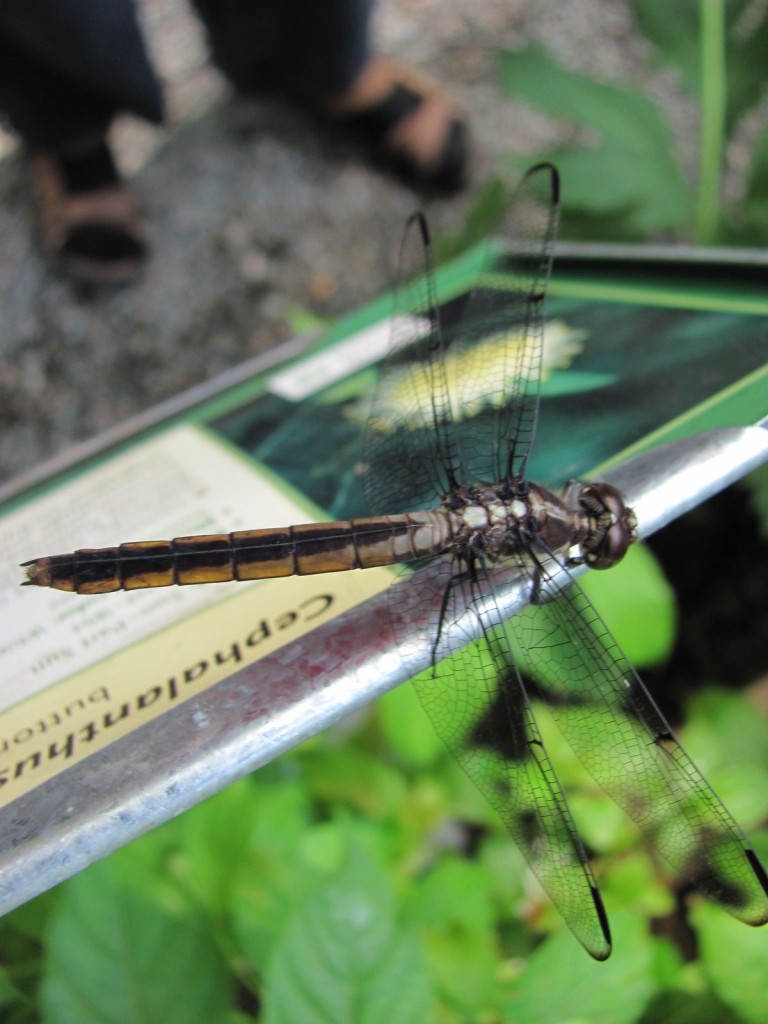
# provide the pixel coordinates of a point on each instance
(491, 522)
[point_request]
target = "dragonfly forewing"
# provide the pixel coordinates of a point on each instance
(410, 451)
(495, 347)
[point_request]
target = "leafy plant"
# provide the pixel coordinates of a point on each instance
(621, 177)
(362, 879)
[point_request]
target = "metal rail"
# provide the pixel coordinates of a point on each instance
(203, 745)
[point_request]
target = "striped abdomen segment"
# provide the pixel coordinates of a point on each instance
(246, 554)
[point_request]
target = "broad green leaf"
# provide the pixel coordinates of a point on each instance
(406, 727)
(455, 892)
(637, 604)
(630, 883)
(276, 874)
(453, 906)
(347, 775)
(214, 837)
(729, 738)
(644, 190)
(265, 892)
(616, 112)
(628, 169)
(345, 958)
(501, 857)
(9, 994)
(562, 984)
(465, 966)
(282, 810)
(115, 956)
(31, 919)
(733, 957)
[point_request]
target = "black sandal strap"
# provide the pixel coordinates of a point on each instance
(375, 121)
(448, 177)
(102, 243)
(374, 124)
(89, 171)
(452, 173)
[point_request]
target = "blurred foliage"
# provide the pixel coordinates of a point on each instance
(363, 879)
(622, 179)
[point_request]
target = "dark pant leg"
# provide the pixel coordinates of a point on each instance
(306, 50)
(45, 108)
(67, 66)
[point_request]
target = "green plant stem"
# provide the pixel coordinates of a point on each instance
(713, 98)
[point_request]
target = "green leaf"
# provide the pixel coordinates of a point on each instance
(455, 892)
(733, 958)
(344, 958)
(637, 604)
(276, 875)
(31, 919)
(631, 883)
(406, 727)
(465, 966)
(562, 984)
(720, 723)
(628, 168)
(214, 838)
(350, 776)
(675, 29)
(453, 904)
(115, 956)
(503, 860)
(9, 994)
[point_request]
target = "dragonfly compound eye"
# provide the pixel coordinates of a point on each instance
(615, 526)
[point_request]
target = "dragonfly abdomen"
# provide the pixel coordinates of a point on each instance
(245, 554)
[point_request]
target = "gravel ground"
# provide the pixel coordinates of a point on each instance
(254, 214)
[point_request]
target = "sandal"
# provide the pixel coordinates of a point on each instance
(88, 220)
(382, 127)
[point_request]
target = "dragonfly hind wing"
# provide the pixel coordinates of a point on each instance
(618, 733)
(478, 705)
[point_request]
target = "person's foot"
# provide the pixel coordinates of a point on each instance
(88, 219)
(412, 127)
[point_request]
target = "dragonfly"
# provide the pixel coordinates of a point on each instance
(451, 503)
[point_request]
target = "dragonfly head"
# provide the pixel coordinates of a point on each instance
(611, 526)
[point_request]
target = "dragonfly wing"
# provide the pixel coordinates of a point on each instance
(410, 454)
(458, 393)
(479, 707)
(494, 351)
(618, 733)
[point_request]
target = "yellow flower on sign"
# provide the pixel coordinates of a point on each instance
(478, 377)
